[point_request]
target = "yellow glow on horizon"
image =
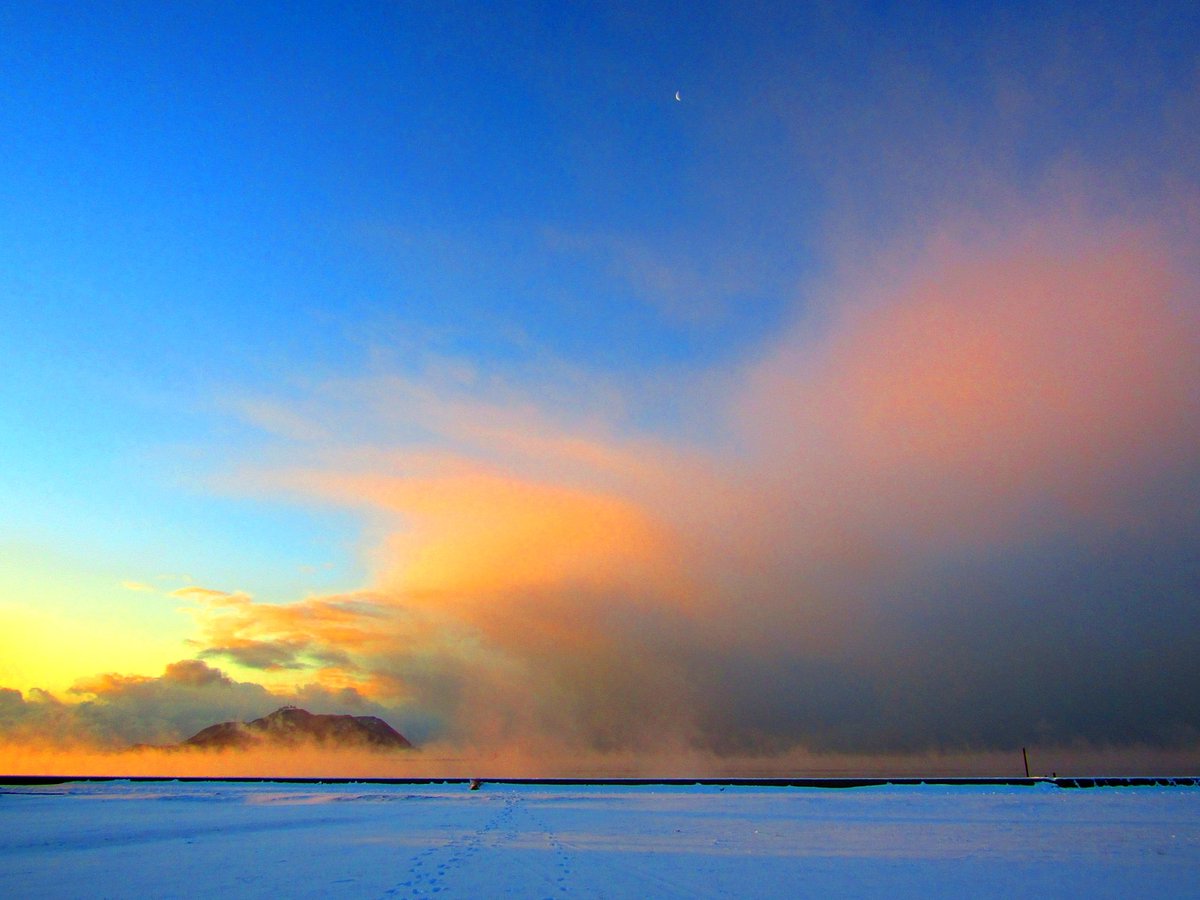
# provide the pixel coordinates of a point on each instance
(61, 621)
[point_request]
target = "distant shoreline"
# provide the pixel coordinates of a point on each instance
(1062, 782)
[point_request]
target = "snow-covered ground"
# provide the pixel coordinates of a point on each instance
(171, 839)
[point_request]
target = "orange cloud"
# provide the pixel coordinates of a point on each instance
(891, 488)
(1050, 363)
(997, 388)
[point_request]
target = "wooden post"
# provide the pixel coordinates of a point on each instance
(1025, 756)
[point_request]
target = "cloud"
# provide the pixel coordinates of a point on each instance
(972, 450)
(114, 711)
(953, 502)
(974, 493)
(265, 655)
(277, 419)
(1039, 371)
(953, 508)
(671, 279)
(214, 597)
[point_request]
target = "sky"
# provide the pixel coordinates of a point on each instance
(603, 378)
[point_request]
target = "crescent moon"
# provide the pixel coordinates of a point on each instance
(677, 97)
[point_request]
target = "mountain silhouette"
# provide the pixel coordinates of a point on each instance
(292, 726)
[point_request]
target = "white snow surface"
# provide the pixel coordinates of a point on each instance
(175, 839)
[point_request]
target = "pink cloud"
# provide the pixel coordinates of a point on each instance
(1044, 364)
(993, 388)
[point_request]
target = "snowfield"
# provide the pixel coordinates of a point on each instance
(175, 839)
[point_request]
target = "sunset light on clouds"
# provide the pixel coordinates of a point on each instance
(404, 362)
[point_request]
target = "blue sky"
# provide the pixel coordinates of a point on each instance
(205, 200)
(295, 299)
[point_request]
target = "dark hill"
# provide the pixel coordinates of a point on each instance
(290, 726)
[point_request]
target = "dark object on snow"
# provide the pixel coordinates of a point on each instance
(291, 726)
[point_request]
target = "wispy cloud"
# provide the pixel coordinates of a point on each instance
(113, 711)
(683, 288)
(960, 437)
(953, 507)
